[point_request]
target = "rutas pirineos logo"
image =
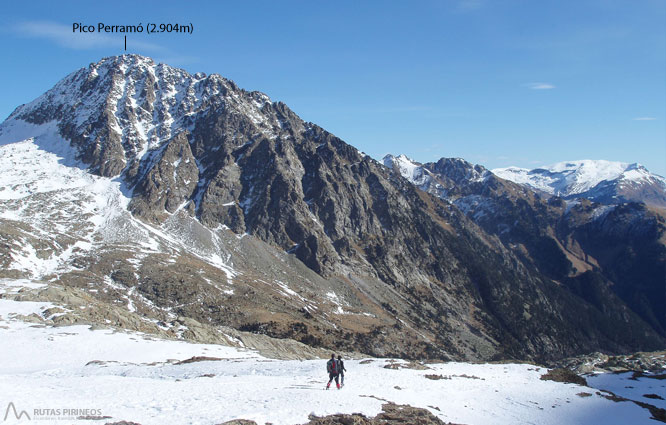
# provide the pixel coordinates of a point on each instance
(12, 408)
(60, 413)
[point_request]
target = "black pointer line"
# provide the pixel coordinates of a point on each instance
(125, 43)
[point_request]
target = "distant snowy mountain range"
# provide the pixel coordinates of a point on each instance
(601, 181)
(606, 182)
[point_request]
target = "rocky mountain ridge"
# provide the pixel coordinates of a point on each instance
(183, 195)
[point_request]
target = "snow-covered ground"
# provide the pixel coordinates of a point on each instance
(129, 376)
(634, 388)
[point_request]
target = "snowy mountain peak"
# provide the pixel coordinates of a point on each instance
(443, 178)
(459, 170)
(120, 109)
(409, 169)
(598, 180)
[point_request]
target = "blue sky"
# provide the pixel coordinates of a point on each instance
(497, 82)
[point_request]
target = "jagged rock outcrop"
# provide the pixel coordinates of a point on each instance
(169, 183)
(392, 414)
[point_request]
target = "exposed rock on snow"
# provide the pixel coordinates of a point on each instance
(392, 414)
(564, 375)
(603, 363)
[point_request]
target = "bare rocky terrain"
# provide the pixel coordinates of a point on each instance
(392, 414)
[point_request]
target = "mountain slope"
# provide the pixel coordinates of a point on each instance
(613, 256)
(606, 182)
(227, 209)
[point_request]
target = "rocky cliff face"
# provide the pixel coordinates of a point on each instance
(270, 224)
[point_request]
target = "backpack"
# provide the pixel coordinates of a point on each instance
(332, 366)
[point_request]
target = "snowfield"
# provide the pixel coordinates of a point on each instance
(135, 377)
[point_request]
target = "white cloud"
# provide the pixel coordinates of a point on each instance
(469, 5)
(540, 86)
(63, 36)
(645, 119)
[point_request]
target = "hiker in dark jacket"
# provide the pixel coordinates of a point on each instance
(341, 370)
(332, 369)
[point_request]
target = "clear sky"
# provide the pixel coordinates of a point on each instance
(497, 82)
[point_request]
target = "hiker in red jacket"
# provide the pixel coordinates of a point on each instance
(332, 368)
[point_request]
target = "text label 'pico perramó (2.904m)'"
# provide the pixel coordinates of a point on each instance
(148, 28)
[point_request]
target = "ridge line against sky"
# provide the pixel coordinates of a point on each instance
(516, 82)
